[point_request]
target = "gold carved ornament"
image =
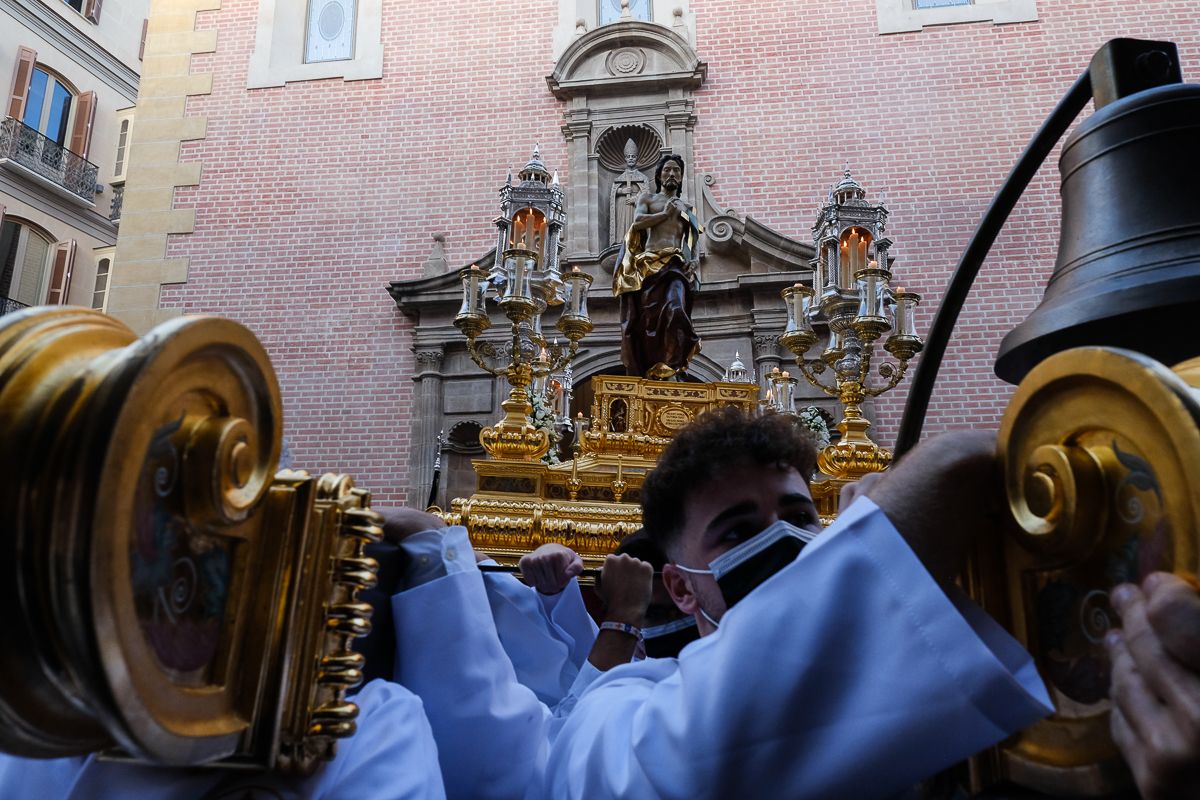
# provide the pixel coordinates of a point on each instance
(169, 598)
(592, 501)
(1101, 452)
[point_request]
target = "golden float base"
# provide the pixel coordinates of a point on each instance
(591, 502)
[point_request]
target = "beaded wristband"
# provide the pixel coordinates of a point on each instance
(622, 627)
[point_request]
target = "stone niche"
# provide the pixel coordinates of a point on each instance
(627, 90)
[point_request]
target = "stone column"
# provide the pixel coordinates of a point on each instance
(766, 358)
(426, 425)
(577, 131)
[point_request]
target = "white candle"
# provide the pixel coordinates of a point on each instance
(518, 276)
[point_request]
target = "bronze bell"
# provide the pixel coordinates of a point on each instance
(1128, 267)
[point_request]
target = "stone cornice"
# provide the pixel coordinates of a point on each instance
(74, 215)
(73, 43)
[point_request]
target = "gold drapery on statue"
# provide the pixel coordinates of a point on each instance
(655, 289)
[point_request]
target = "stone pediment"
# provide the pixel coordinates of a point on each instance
(766, 248)
(624, 57)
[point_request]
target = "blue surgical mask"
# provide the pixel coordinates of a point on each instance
(665, 641)
(740, 570)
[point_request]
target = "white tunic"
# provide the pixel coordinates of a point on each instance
(848, 674)
(546, 637)
(391, 757)
(490, 726)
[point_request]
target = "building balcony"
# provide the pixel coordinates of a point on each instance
(8, 305)
(26, 147)
(118, 198)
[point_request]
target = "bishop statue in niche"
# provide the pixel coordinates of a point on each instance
(656, 278)
(626, 190)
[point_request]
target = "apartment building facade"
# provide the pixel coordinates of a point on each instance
(71, 67)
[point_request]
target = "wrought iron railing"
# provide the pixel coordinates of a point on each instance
(114, 212)
(47, 158)
(8, 305)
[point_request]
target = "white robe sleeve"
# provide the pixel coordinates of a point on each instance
(547, 638)
(391, 757)
(491, 731)
(569, 615)
(847, 674)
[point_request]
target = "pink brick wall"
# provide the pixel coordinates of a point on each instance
(315, 195)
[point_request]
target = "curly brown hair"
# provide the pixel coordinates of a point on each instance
(719, 441)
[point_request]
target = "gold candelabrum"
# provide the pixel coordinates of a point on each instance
(523, 295)
(850, 291)
(859, 314)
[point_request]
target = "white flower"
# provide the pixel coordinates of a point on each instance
(811, 418)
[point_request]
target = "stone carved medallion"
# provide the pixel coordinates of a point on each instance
(626, 61)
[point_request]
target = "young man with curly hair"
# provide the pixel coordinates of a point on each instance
(854, 669)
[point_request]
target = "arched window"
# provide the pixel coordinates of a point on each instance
(48, 105)
(34, 269)
(55, 115)
(122, 149)
(100, 292)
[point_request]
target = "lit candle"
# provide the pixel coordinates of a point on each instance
(619, 468)
(862, 252)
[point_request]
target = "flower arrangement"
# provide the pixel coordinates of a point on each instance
(542, 418)
(811, 419)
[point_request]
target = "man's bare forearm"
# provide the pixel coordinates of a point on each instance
(612, 649)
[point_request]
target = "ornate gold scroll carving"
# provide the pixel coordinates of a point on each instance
(1101, 455)
(169, 598)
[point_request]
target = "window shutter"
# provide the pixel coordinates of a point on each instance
(85, 115)
(142, 44)
(60, 273)
(22, 74)
(92, 10)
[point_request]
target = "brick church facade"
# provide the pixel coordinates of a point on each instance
(286, 187)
